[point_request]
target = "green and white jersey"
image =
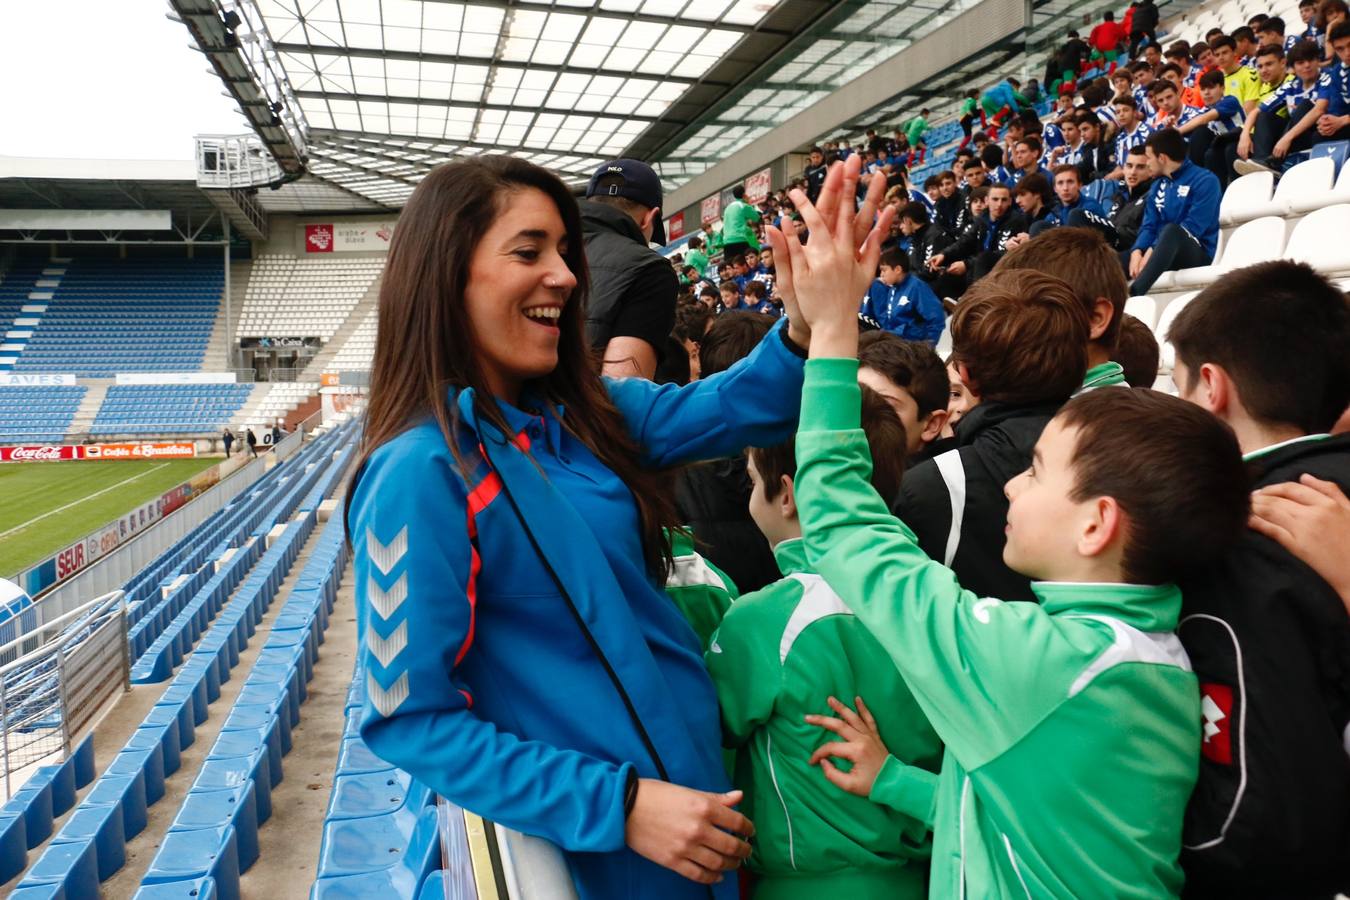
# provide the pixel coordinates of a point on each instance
(780, 653)
(1072, 725)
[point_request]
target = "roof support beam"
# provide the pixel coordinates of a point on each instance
(485, 62)
(463, 104)
(545, 7)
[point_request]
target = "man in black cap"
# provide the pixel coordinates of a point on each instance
(633, 289)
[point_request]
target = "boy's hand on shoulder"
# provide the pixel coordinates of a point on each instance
(860, 744)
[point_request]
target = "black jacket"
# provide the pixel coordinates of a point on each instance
(948, 212)
(995, 441)
(1145, 18)
(1127, 213)
(924, 244)
(1270, 643)
(618, 257)
(712, 498)
(987, 235)
(1098, 160)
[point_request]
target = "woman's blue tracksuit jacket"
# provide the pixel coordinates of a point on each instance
(519, 657)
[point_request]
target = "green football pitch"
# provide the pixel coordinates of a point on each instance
(46, 505)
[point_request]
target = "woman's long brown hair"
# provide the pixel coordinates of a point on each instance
(426, 347)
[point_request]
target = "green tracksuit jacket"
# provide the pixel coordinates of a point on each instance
(1072, 727)
(779, 654)
(701, 591)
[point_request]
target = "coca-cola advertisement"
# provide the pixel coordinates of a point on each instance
(47, 453)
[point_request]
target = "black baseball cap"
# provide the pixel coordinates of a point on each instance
(640, 184)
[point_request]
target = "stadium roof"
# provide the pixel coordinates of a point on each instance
(370, 94)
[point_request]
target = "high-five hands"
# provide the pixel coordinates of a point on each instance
(826, 277)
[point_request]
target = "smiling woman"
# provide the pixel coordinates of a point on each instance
(507, 522)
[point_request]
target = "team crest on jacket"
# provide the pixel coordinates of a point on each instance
(1216, 715)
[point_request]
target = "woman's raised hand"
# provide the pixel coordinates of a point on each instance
(828, 275)
(695, 833)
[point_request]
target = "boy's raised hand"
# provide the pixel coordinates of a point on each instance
(861, 746)
(827, 276)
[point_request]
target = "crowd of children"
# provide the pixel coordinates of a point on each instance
(1022, 637)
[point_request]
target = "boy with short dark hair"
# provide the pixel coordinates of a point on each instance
(912, 379)
(1335, 87)
(903, 304)
(1019, 341)
(1266, 349)
(731, 294)
(778, 653)
(757, 300)
(1137, 352)
(1071, 726)
(1083, 261)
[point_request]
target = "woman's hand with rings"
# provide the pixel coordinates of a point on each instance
(694, 833)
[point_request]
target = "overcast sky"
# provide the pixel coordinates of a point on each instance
(104, 79)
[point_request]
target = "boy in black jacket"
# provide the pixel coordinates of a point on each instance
(1267, 350)
(1019, 339)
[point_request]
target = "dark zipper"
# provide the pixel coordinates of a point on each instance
(590, 639)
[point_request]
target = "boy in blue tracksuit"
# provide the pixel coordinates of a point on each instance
(902, 303)
(1181, 219)
(1072, 208)
(521, 659)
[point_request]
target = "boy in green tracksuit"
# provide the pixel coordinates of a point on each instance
(779, 653)
(701, 591)
(1072, 725)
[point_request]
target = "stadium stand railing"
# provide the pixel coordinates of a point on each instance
(277, 514)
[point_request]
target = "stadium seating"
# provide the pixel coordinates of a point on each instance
(214, 833)
(298, 297)
(280, 399)
(37, 415)
(15, 286)
(169, 408)
(359, 350)
(142, 315)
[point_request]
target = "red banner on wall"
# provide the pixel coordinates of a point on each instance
(318, 238)
(675, 227)
(38, 454)
(757, 186)
(179, 450)
(711, 209)
(55, 453)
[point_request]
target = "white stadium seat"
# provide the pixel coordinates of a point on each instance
(1320, 240)
(1167, 356)
(1306, 186)
(1247, 198)
(1145, 309)
(1259, 240)
(1341, 192)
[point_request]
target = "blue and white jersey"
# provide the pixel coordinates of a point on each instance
(1334, 87)
(1187, 113)
(1293, 92)
(1072, 156)
(1051, 137)
(1193, 76)
(1106, 114)
(1127, 140)
(1313, 33)
(1289, 41)
(1230, 115)
(1144, 102)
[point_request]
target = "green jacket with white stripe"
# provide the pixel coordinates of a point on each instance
(701, 591)
(1072, 726)
(779, 654)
